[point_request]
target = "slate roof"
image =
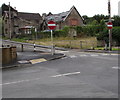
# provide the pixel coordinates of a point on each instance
(58, 17)
(29, 16)
(6, 8)
(61, 16)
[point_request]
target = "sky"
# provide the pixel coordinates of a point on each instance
(84, 7)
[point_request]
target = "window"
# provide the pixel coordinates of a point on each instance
(73, 22)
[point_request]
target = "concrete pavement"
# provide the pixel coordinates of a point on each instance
(30, 57)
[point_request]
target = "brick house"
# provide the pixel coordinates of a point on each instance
(19, 22)
(68, 18)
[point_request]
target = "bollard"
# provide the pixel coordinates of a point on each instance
(70, 44)
(80, 44)
(22, 47)
(53, 49)
(105, 47)
(34, 48)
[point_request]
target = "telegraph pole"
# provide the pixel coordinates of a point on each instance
(110, 30)
(9, 22)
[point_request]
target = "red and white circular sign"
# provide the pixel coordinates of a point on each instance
(109, 25)
(51, 25)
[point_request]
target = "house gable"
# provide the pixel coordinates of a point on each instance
(73, 18)
(68, 18)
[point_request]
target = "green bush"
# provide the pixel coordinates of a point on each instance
(104, 35)
(60, 33)
(116, 34)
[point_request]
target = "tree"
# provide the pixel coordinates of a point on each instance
(100, 17)
(85, 17)
(116, 34)
(116, 21)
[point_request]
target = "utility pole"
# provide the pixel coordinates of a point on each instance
(9, 21)
(110, 30)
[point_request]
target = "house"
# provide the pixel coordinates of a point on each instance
(68, 18)
(8, 22)
(29, 21)
(19, 22)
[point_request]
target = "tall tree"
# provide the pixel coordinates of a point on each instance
(116, 21)
(100, 17)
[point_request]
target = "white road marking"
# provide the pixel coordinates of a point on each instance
(27, 80)
(116, 67)
(114, 54)
(58, 51)
(67, 74)
(73, 56)
(83, 55)
(104, 54)
(15, 82)
(93, 55)
(20, 81)
(23, 61)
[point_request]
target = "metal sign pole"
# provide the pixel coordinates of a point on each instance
(9, 22)
(110, 30)
(110, 39)
(52, 51)
(51, 26)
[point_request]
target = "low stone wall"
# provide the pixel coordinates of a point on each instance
(9, 55)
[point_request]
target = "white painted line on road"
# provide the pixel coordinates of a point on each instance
(20, 81)
(23, 61)
(83, 55)
(104, 54)
(58, 51)
(15, 82)
(67, 74)
(27, 80)
(116, 67)
(114, 54)
(93, 55)
(73, 56)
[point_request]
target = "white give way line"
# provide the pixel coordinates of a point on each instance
(27, 80)
(74, 73)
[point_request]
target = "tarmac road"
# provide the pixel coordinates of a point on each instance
(78, 75)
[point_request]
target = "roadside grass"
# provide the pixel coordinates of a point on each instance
(113, 48)
(116, 49)
(67, 42)
(19, 40)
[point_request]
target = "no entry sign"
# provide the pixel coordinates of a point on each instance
(109, 25)
(51, 25)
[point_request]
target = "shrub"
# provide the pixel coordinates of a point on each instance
(60, 33)
(116, 34)
(103, 35)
